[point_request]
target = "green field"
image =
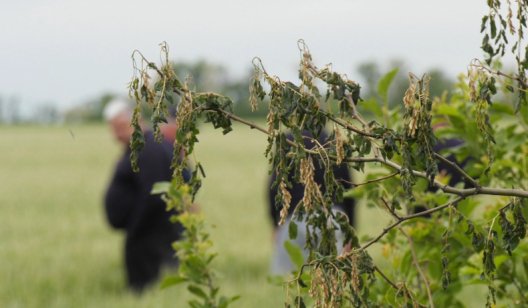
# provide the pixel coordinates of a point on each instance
(56, 249)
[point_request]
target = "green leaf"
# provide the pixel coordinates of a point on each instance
(160, 188)
(302, 284)
(483, 24)
(292, 230)
(276, 280)
(354, 193)
(195, 263)
(224, 301)
(295, 253)
(406, 262)
(171, 281)
(197, 291)
(299, 302)
(493, 28)
(195, 304)
(471, 271)
(500, 259)
(371, 105)
(385, 82)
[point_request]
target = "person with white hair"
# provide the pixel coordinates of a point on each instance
(130, 206)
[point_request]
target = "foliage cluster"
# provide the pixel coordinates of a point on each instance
(205, 75)
(443, 235)
(193, 250)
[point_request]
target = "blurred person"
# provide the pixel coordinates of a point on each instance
(131, 207)
(445, 169)
(281, 263)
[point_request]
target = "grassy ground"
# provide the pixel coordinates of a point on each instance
(56, 249)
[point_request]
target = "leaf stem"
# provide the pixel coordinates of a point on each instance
(419, 268)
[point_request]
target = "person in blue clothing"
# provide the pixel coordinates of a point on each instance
(129, 205)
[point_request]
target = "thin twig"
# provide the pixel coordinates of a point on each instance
(393, 213)
(317, 143)
(349, 126)
(521, 291)
(457, 168)
(462, 192)
(239, 119)
(419, 268)
(263, 130)
(149, 64)
(407, 217)
(386, 278)
(499, 73)
(375, 180)
(355, 113)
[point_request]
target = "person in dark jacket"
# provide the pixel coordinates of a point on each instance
(445, 168)
(280, 261)
(131, 207)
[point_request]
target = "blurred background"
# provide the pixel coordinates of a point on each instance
(63, 61)
(59, 54)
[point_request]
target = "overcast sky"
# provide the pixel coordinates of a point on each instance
(68, 51)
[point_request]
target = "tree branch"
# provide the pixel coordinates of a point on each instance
(457, 168)
(464, 192)
(386, 204)
(407, 217)
(348, 126)
(499, 73)
(386, 278)
(263, 130)
(355, 113)
(239, 119)
(376, 180)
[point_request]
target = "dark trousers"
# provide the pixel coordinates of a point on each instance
(144, 258)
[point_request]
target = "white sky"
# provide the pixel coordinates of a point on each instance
(68, 51)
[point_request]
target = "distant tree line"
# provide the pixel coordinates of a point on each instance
(12, 114)
(371, 72)
(91, 111)
(9, 110)
(203, 75)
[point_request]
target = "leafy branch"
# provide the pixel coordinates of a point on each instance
(298, 115)
(477, 190)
